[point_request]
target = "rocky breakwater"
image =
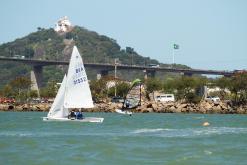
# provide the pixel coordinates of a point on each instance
(42, 107)
(204, 107)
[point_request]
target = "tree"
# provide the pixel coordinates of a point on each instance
(238, 86)
(186, 87)
(7, 91)
(98, 89)
(169, 85)
(50, 90)
(20, 87)
(122, 89)
(223, 83)
(33, 93)
(153, 84)
(130, 50)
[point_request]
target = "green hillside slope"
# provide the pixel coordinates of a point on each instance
(49, 45)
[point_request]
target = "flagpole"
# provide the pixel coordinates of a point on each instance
(173, 54)
(175, 46)
(115, 77)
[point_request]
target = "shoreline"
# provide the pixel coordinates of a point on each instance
(204, 107)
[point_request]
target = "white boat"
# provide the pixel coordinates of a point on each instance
(74, 92)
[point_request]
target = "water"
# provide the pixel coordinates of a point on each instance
(140, 139)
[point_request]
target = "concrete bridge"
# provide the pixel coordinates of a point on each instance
(36, 73)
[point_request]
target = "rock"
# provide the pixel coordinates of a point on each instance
(160, 110)
(173, 109)
(4, 107)
(217, 109)
(240, 110)
(18, 108)
(155, 107)
(179, 110)
(182, 106)
(207, 106)
(148, 110)
(25, 107)
(202, 110)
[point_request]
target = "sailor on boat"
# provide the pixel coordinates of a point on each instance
(72, 115)
(79, 115)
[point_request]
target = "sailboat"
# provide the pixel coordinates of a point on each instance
(132, 99)
(74, 92)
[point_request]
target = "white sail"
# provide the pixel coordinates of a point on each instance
(57, 109)
(77, 94)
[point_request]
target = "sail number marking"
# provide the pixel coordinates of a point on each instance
(80, 76)
(80, 80)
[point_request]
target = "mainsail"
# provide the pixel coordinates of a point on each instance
(133, 97)
(77, 94)
(57, 109)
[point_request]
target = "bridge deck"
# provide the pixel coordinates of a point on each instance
(119, 67)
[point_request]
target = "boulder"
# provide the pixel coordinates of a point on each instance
(155, 107)
(173, 109)
(207, 106)
(217, 109)
(182, 106)
(4, 107)
(202, 110)
(18, 108)
(240, 110)
(25, 107)
(147, 110)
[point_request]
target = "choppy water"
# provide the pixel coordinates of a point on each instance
(140, 139)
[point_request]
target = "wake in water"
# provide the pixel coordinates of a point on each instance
(189, 132)
(155, 132)
(53, 134)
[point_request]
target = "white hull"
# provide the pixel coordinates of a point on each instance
(123, 112)
(86, 119)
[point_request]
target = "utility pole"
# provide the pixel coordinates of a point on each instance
(115, 76)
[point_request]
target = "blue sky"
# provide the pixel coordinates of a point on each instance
(212, 34)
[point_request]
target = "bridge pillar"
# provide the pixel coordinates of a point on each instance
(145, 74)
(149, 73)
(152, 73)
(36, 78)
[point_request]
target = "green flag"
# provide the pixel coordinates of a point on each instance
(175, 46)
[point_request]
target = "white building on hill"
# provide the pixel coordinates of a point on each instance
(63, 25)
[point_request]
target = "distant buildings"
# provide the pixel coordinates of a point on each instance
(63, 25)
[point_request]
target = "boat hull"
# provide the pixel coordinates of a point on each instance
(86, 119)
(123, 112)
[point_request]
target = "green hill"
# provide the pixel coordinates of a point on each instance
(49, 45)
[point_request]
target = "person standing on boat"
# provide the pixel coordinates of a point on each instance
(127, 103)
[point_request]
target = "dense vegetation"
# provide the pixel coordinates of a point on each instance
(187, 89)
(190, 89)
(49, 45)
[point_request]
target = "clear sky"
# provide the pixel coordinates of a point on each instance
(212, 34)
